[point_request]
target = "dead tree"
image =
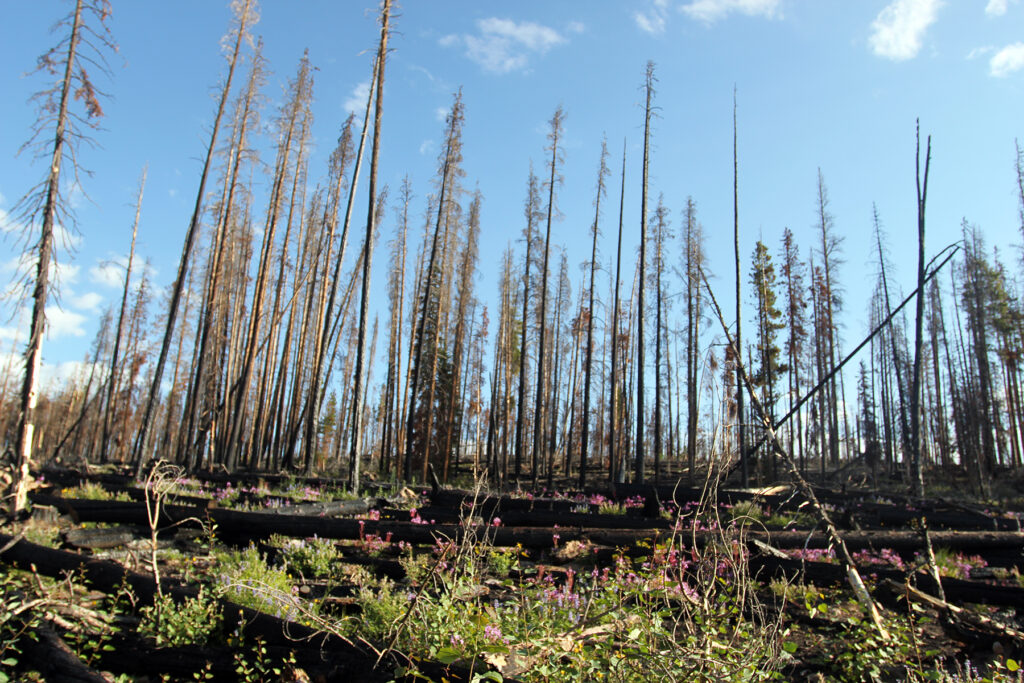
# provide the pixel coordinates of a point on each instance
(244, 17)
(602, 173)
(915, 390)
(44, 203)
(357, 431)
(554, 137)
(115, 369)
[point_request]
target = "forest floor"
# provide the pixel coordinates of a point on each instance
(267, 578)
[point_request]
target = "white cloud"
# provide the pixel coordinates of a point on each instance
(441, 113)
(426, 146)
(1007, 61)
(898, 30)
(90, 301)
(710, 11)
(356, 102)
(503, 45)
(61, 323)
(575, 27)
(997, 8)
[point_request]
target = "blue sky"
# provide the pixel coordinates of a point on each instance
(821, 84)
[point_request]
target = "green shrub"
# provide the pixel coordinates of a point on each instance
(194, 621)
(249, 581)
(91, 490)
(312, 557)
(382, 606)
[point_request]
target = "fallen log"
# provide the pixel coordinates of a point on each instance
(47, 653)
(960, 590)
(99, 539)
(880, 514)
(539, 518)
(244, 526)
(954, 613)
(331, 507)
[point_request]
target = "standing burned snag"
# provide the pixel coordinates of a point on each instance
(245, 17)
(661, 234)
(357, 413)
(420, 434)
(616, 460)
(693, 262)
(113, 380)
(554, 147)
(915, 390)
(532, 211)
(830, 301)
(56, 136)
(638, 463)
(602, 174)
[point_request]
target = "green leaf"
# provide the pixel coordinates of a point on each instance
(10, 661)
(447, 655)
(1012, 665)
(789, 646)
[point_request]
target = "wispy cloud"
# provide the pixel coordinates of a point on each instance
(502, 45)
(898, 31)
(654, 19)
(710, 11)
(356, 101)
(424, 71)
(997, 8)
(980, 51)
(1007, 61)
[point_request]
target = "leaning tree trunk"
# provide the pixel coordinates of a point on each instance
(114, 356)
(357, 409)
(186, 252)
(34, 351)
(915, 391)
